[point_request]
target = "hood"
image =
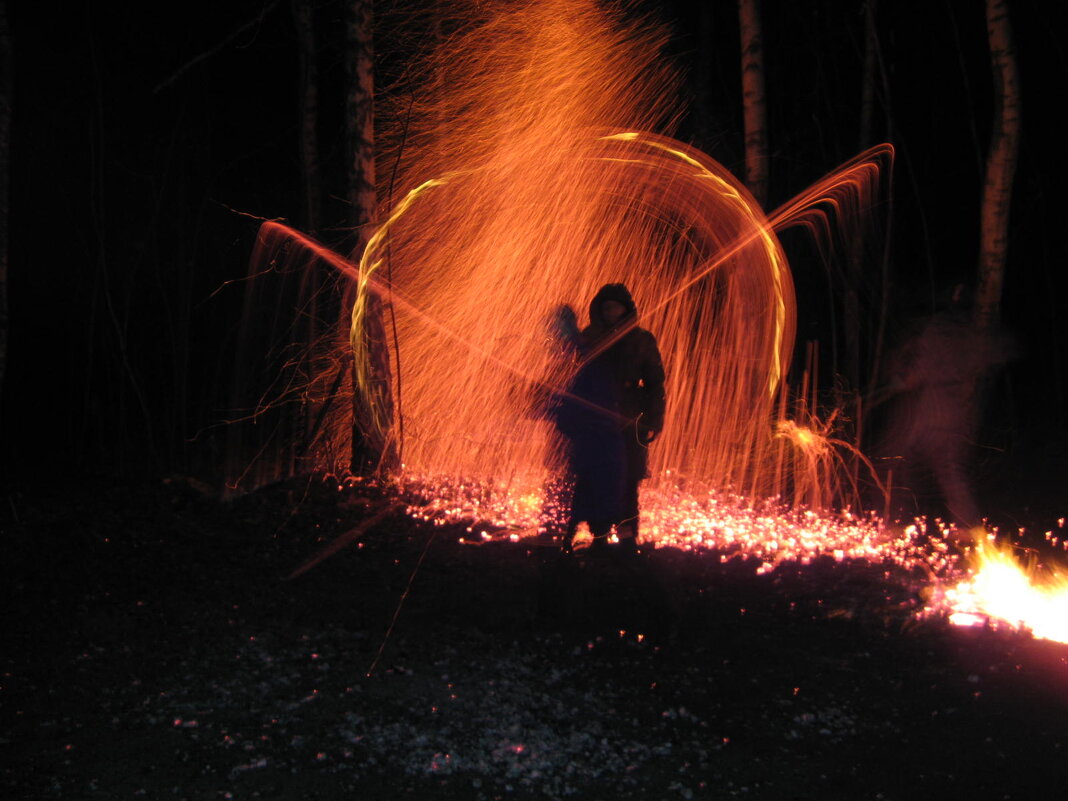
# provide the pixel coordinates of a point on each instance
(618, 293)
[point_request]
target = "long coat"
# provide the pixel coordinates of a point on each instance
(637, 372)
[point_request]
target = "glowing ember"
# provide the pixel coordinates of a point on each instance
(699, 520)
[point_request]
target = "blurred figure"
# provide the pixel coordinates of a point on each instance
(936, 379)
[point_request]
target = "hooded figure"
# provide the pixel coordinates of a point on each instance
(630, 356)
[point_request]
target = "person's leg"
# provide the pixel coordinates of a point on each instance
(627, 527)
(568, 537)
(634, 471)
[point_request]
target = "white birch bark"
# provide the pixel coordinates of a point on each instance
(754, 104)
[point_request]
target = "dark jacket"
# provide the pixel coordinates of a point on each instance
(633, 359)
(587, 415)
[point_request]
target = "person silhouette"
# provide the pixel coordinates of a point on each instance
(586, 415)
(632, 359)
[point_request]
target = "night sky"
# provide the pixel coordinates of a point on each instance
(134, 172)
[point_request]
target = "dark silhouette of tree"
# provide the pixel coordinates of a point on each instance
(5, 141)
(852, 317)
(311, 175)
(371, 399)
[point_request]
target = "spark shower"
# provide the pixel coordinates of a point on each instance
(536, 164)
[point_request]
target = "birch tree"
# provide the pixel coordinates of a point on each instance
(754, 105)
(1000, 165)
(372, 400)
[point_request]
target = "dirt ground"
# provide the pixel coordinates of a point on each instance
(154, 648)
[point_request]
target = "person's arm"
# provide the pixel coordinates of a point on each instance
(654, 398)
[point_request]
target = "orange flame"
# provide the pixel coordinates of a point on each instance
(1002, 591)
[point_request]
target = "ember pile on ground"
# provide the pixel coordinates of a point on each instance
(153, 648)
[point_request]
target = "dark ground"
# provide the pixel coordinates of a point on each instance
(152, 649)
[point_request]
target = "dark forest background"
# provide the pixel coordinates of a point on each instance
(149, 140)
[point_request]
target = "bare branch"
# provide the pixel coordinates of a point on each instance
(252, 23)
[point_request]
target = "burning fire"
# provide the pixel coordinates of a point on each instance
(1001, 591)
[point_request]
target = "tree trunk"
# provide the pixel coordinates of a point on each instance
(1000, 165)
(753, 101)
(311, 178)
(360, 120)
(371, 399)
(5, 143)
(705, 122)
(853, 320)
(311, 328)
(867, 91)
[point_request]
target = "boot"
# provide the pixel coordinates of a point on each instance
(600, 537)
(599, 544)
(628, 538)
(566, 544)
